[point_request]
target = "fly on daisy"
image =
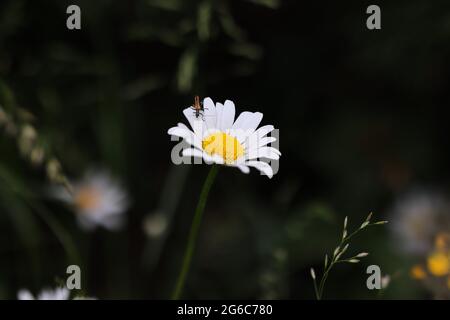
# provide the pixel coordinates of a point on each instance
(198, 107)
(220, 138)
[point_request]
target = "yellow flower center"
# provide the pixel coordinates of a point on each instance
(224, 145)
(438, 264)
(442, 241)
(418, 273)
(87, 198)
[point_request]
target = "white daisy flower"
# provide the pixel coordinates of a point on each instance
(217, 137)
(50, 294)
(98, 200)
(46, 294)
(417, 218)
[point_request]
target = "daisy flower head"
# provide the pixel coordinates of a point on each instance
(46, 294)
(97, 199)
(417, 218)
(217, 137)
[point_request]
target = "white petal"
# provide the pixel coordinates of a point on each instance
(263, 152)
(180, 132)
(200, 154)
(208, 104)
(189, 113)
(213, 159)
(209, 113)
(243, 168)
(186, 134)
(192, 153)
(243, 118)
(254, 122)
(245, 125)
(265, 141)
(219, 115)
(259, 139)
(182, 125)
(248, 121)
(261, 132)
(275, 150)
(261, 166)
(197, 124)
(254, 142)
(228, 114)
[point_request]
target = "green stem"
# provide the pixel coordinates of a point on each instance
(335, 261)
(316, 290)
(193, 233)
(324, 278)
(73, 256)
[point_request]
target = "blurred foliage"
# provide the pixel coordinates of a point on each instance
(361, 115)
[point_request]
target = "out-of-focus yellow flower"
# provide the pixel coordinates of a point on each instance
(417, 272)
(438, 264)
(442, 241)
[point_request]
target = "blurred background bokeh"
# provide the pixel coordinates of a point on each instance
(362, 126)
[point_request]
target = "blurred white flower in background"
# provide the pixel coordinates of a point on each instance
(155, 224)
(98, 200)
(217, 137)
(417, 218)
(385, 281)
(50, 294)
(46, 294)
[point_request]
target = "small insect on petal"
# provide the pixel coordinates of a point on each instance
(198, 107)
